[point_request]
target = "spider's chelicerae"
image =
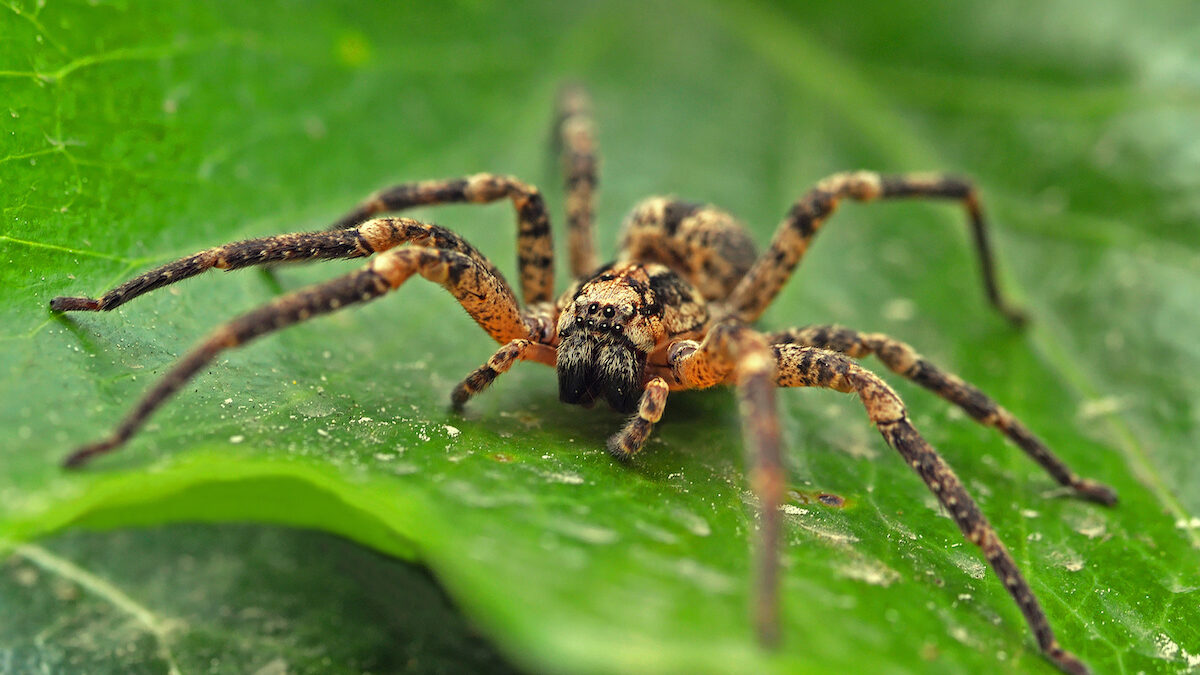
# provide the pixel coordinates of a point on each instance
(672, 312)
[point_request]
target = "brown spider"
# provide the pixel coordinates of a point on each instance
(671, 313)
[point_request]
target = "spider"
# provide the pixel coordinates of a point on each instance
(672, 312)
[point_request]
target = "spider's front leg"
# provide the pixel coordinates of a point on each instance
(535, 247)
(731, 353)
(356, 237)
(485, 296)
(371, 237)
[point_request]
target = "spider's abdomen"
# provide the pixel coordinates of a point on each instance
(704, 245)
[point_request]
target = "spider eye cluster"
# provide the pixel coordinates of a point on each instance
(603, 318)
(598, 360)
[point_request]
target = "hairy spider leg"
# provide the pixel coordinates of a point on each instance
(236, 255)
(798, 366)
(576, 144)
(535, 246)
(768, 275)
(904, 360)
(734, 354)
(504, 358)
(486, 297)
(368, 238)
(703, 244)
(629, 440)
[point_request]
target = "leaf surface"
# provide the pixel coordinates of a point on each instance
(136, 136)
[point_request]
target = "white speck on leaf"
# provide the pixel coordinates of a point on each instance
(1100, 407)
(899, 309)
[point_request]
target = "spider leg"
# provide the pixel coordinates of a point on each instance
(810, 367)
(535, 248)
(485, 297)
(772, 270)
(577, 146)
(904, 360)
(370, 237)
(734, 354)
(629, 440)
(504, 358)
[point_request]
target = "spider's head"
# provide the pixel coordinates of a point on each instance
(605, 333)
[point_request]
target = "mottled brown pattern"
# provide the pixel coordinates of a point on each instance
(483, 376)
(535, 247)
(576, 139)
(703, 244)
(289, 309)
(629, 440)
(280, 248)
(799, 366)
(670, 313)
(768, 275)
(905, 361)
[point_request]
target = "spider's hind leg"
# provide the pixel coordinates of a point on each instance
(576, 143)
(904, 360)
(768, 275)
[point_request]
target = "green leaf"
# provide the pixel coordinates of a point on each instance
(138, 134)
(255, 599)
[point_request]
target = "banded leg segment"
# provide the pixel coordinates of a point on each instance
(481, 378)
(475, 288)
(629, 440)
(732, 353)
(577, 146)
(280, 248)
(370, 237)
(904, 360)
(535, 247)
(810, 367)
(806, 216)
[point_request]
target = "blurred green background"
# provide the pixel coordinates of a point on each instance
(138, 132)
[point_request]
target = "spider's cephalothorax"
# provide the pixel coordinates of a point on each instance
(672, 312)
(611, 322)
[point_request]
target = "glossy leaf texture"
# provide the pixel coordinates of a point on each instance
(134, 134)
